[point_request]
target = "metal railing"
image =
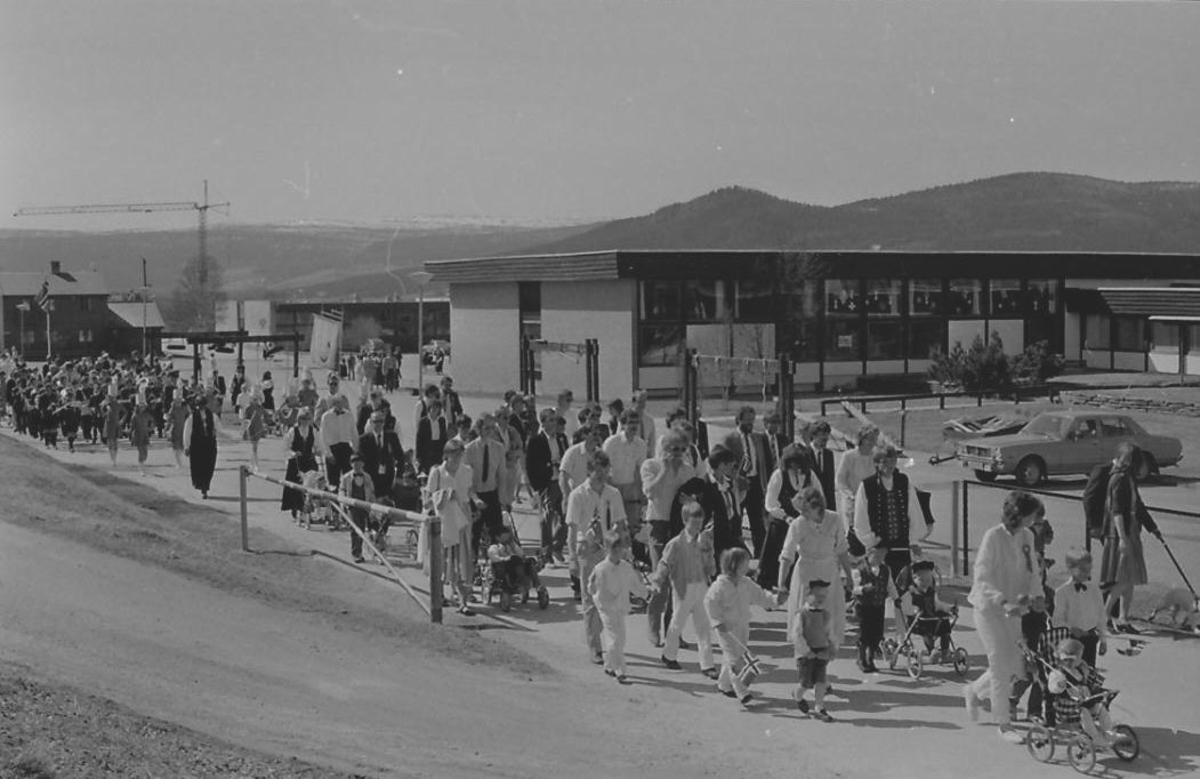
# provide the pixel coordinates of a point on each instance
(1016, 395)
(342, 504)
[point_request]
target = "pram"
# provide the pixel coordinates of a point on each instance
(1081, 747)
(317, 508)
(494, 583)
(915, 656)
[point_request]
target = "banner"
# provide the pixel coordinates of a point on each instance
(326, 341)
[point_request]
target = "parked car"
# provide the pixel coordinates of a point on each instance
(1062, 442)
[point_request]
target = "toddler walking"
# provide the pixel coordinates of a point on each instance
(812, 644)
(611, 583)
(727, 602)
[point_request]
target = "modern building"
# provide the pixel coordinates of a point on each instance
(392, 321)
(842, 316)
(76, 319)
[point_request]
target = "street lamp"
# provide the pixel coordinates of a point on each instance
(23, 308)
(421, 278)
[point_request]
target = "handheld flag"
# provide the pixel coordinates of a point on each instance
(751, 669)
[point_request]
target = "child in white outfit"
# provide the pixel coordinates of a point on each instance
(728, 603)
(612, 581)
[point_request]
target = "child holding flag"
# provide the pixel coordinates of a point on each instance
(728, 603)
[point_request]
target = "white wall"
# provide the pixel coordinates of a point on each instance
(964, 331)
(1129, 361)
(573, 312)
(1165, 361)
(485, 337)
(1011, 332)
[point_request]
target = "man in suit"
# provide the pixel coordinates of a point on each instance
(776, 439)
(381, 453)
(752, 451)
(721, 501)
(542, 458)
(485, 455)
(823, 464)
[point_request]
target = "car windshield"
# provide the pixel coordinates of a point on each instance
(1048, 425)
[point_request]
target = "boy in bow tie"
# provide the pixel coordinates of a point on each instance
(1080, 607)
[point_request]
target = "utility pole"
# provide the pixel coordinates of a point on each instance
(145, 305)
(23, 307)
(48, 308)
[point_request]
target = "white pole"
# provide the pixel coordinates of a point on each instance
(420, 340)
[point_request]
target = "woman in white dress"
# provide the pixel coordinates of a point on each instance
(856, 465)
(816, 545)
(449, 494)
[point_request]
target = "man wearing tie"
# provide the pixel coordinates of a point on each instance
(381, 451)
(542, 459)
(823, 466)
(776, 439)
(721, 502)
(485, 455)
(750, 447)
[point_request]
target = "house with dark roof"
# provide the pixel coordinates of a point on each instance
(74, 322)
(843, 317)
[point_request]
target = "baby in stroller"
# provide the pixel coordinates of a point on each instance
(1079, 696)
(513, 572)
(930, 616)
(316, 508)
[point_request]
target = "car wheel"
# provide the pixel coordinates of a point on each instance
(1146, 469)
(1030, 472)
(986, 477)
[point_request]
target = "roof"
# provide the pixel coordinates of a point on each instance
(29, 283)
(131, 314)
(733, 263)
(1173, 302)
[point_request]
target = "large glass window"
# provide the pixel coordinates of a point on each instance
(925, 297)
(659, 345)
(661, 301)
(1130, 335)
(1042, 328)
(883, 297)
(842, 296)
(801, 311)
(925, 336)
(1042, 296)
(885, 339)
(1164, 337)
(1096, 333)
(755, 301)
(1006, 298)
(706, 301)
(1193, 339)
(843, 342)
(965, 298)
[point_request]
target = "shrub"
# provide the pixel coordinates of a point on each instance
(986, 368)
(1036, 364)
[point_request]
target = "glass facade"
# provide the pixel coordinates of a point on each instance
(965, 298)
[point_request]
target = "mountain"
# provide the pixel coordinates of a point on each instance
(1016, 212)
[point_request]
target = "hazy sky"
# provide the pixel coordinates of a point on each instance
(564, 109)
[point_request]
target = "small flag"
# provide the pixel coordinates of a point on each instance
(752, 668)
(43, 295)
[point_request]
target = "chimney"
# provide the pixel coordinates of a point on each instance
(55, 267)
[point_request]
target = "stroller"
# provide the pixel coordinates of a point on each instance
(915, 655)
(494, 581)
(1068, 727)
(316, 508)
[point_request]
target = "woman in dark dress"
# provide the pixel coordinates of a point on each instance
(793, 475)
(300, 441)
(1123, 564)
(200, 437)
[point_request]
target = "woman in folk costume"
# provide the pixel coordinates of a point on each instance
(793, 474)
(449, 494)
(301, 441)
(816, 545)
(200, 436)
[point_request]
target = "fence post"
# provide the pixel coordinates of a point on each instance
(245, 517)
(966, 526)
(435, 569)
(522, 370)
(955, 516)
(903, 426)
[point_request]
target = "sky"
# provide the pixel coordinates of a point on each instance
(566, 110)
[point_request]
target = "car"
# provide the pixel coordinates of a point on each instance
(1065, 442)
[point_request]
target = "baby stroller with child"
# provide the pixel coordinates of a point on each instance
(1077, 706)
(508, 572)
(917, 658)
(316, 508)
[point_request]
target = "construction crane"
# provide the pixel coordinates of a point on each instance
(140, 208)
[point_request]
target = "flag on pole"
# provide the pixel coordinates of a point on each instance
(43, 295)
(326, 340)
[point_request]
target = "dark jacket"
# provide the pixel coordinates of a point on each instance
(381, 463)
(429, 449)
(538, 465)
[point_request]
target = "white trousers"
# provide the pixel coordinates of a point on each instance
(732, 663)
(612, 638)
(999, 635)
(690, 604)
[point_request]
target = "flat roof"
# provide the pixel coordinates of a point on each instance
(771, 265)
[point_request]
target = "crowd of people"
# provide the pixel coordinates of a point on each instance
(639, 516)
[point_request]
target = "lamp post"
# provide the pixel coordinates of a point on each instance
(421, 278)
(48, 307)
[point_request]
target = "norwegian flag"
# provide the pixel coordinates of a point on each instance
(43, 295)
(752, 668)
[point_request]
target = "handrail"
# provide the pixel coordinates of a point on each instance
(862, 400)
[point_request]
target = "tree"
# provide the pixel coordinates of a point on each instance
(193, 303)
